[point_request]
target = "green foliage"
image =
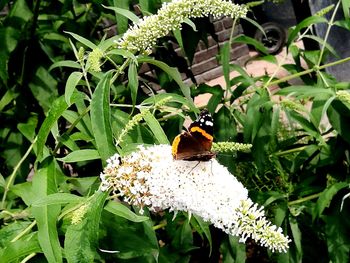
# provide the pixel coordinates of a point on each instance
(70, 99)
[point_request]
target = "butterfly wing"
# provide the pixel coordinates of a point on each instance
(196, 143)
(187, 147)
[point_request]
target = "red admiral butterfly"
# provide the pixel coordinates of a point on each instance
(195, 144)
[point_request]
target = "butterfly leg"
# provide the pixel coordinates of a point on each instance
(194, 167)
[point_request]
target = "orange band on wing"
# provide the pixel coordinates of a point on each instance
(205, 134)
(175, 144)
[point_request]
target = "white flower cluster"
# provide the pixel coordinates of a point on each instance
(143, 36)
(150, 177)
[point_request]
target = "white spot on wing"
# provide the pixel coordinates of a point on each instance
(209, 123)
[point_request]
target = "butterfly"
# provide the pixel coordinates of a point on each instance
(195, 143)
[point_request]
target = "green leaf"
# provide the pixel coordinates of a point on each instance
(337, 235)
(109, 43)
(21, 11)
(84, 125)
(80, 155)
(191, 24)
(346, 8)
(123, 53)
(152, 237)
(326, 198)
(133, 82)
(274, 196)
(238, 250)
(71, 83)
(124, 12)
(155, 127)
(225, 61)
(121, 210)
(7, 98)
(2, 181)
(343, 23)
(57, 109)
(44, 183)
(174, 73)
(322, 42)
(81, 239)
(319, 107)
(303, 156)
(68, 141)
(28, 128)
(82, 40)
(178, 36)
(269, 58)
(15, 251)
(11, 231)
(24, 191)
(304, 91)
(225, 129)
(275, 124)
(307, 125)
(65, 63)
(305, 23)
(204, 228)
(8, 41)
(44, 88)
(243, 74)
(296, 236)
(170, 97)
(101, 118)
(251, 41)
(216, 98)
(254, 23)
(57, 199)
(338, 115)
(122, 21)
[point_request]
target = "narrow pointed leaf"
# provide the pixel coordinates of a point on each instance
(124, 12)
(100, 118)
(82, 40)
(121, 210)
(174, 73)
(157, 130)
(58, 198)
(44, 184)
(71, 83)
(57, 109)
(81, 239)
(15, 251)
(81, 155)
(133, 82)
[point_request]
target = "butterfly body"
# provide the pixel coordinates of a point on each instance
(195, 144)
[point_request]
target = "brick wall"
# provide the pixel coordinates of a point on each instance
(205, 64)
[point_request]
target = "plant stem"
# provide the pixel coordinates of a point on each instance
(304, 199)
(28, 258)
(121, 69)
(299, 74)
(228, 86)
(71, 128)
(330, 24)
(13, 174)
(25, 231)
(86, 78)
(160, 226)
(275, 72)
(290, 151)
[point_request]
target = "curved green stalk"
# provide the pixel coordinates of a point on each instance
(13, 174)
